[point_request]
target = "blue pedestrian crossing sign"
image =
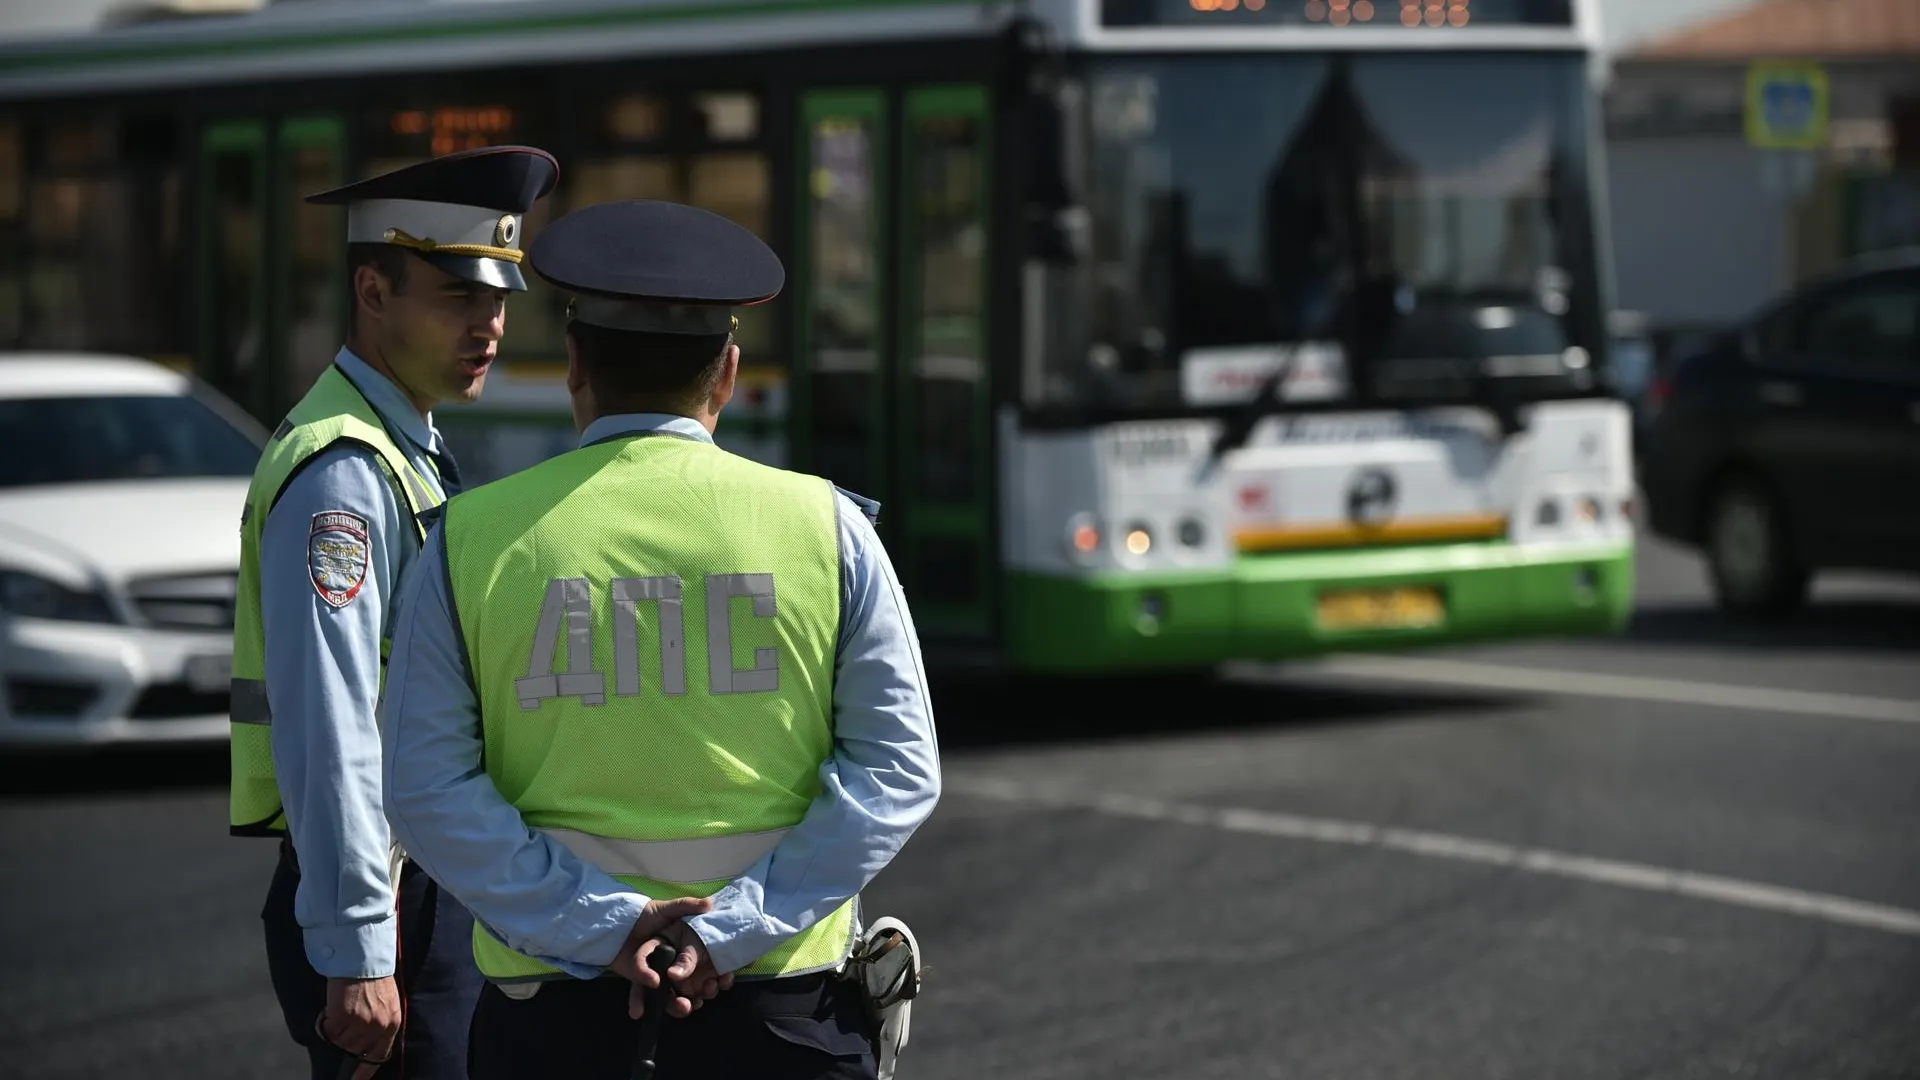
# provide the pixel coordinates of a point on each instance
(1787, 105)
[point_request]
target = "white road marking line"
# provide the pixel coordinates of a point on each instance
(1627, 875)
(1626, 687)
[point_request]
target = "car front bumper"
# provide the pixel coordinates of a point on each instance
(73, 684)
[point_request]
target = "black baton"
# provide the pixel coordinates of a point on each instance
(655, 1000)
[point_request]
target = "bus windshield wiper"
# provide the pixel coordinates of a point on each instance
(1240, 423)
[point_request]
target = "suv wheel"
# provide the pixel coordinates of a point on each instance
(1750, 554)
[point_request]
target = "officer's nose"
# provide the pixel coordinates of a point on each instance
(489, 316)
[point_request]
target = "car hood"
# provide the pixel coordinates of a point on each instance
(132, 529)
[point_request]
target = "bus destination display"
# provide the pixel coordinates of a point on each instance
(1397, 14)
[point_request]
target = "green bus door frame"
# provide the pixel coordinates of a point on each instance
(841, 425)
(263, 265)
(890, 393)
(941, 393)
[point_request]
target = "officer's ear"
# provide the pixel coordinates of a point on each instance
(579, 394)
(576, 372)
(729, 372)
(371, 290)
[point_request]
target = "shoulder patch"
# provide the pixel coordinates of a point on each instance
(867, 506)
(338, 556)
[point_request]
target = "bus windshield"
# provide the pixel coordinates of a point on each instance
(1395, 228)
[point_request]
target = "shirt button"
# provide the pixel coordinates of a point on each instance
(326, 951)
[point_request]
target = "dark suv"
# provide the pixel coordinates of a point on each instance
(1792, 443)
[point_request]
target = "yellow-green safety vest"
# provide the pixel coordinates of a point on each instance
(651, 623)
(333, 412)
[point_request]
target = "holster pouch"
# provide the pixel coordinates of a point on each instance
(885, 965)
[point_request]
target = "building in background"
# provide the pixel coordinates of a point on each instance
(1706, 222)
(1626, 24)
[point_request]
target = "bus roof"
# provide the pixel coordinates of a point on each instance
(352, 38)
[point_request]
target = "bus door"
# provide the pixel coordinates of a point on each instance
(272, 271)
(891, 365)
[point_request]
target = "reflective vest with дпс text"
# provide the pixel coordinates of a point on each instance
(332, 412)
(651, 624)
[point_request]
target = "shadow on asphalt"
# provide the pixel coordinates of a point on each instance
(984, 712)
(114, 770)
(971, 712)
(1846, 625)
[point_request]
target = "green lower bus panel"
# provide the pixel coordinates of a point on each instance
(1276, 607)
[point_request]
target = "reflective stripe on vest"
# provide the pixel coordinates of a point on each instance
(709, 858)
(333, 411)
(249, 696)
(655, 676)
(250, 702)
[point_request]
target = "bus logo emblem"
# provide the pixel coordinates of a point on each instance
(1370, 497)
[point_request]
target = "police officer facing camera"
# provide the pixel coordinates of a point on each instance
(367, 956)
(650, 694)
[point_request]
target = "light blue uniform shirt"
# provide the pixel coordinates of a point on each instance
(880, 782)
(323, 683)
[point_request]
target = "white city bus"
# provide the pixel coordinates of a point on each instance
(1167, 332)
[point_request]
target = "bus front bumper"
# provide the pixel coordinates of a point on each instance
(1267, 607)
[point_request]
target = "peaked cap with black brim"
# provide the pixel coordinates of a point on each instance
(461, 212)
(656, 267)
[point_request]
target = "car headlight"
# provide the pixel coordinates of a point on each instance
(35, 597)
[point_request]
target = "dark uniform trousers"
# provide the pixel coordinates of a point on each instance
(438, 981)
(803, 1027)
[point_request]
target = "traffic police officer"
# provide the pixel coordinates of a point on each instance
(336, 512)
(649, 668)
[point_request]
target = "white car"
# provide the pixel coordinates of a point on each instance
(121, 484)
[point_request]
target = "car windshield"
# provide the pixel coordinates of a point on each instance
(1402, 227)
(74, 440)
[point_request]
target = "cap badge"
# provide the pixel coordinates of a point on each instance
(506, 231)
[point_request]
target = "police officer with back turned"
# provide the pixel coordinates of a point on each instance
(650, 694)
(367, 955)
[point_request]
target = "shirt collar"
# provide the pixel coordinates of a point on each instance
(386, 399)
(608, 427)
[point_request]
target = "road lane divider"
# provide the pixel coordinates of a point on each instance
(1563, 683)
(1714, 888)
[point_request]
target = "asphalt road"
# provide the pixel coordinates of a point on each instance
(1691, 852)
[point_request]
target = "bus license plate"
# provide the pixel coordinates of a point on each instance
(1381, 609)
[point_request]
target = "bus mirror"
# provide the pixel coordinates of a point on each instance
(1055, 211)
(1059, 236)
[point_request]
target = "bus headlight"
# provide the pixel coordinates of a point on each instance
(1139, 539)
(1192, 533)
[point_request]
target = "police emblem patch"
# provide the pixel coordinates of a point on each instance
(338, 556)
